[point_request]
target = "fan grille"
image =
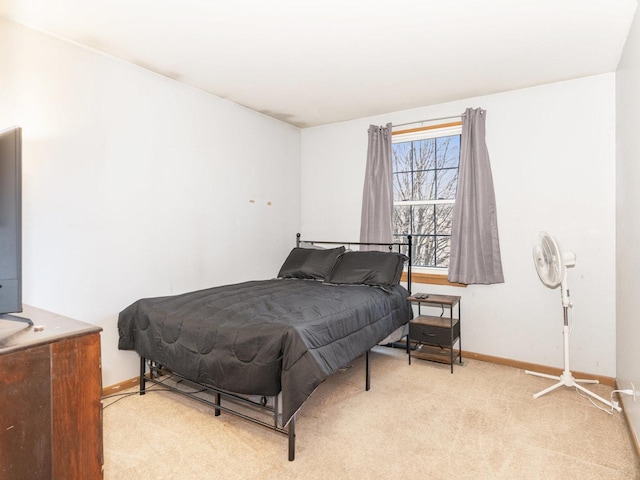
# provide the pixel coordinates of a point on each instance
(548, 260)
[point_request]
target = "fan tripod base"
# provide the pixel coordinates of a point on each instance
(567, 380)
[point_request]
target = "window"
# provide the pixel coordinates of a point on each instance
(425, 180)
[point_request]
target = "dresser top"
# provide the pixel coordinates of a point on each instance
(47, 327)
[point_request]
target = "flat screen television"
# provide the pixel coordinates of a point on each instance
(10, 222)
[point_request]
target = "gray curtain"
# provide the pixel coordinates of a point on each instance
(475, 246)
(377, 198)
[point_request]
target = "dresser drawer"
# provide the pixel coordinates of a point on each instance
(434, 330)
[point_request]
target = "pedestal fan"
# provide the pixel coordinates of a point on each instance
(552, 264)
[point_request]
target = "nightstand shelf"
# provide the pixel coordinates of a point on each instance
(437, 338)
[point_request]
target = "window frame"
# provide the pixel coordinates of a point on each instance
(422, 274)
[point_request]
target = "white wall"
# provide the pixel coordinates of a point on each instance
(627, 224)
(552, 152)
(135, 185)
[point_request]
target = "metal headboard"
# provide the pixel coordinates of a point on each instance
(391, 246)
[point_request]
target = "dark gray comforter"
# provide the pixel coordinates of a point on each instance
(263, 337)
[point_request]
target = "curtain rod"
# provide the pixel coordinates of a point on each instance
(428, 120)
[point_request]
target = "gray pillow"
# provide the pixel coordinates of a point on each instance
(309, 263)
(368, 268)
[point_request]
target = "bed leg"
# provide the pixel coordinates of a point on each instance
(217, 402)
(368, 372)
(142, 378)
(291, 433)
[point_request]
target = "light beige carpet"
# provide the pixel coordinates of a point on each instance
(417, 421)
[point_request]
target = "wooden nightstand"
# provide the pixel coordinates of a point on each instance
(436, 337)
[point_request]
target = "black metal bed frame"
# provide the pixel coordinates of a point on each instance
(263, 407)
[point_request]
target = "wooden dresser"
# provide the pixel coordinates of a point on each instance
(50, 389)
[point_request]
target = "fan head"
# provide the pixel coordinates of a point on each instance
(547, 258)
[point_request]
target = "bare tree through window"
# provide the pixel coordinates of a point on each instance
(425, 180)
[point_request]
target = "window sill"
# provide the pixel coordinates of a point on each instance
(430, 278)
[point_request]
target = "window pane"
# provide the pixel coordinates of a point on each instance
(425, 154)
(424, 185)
(401, 220)
(448, 151)
(404, 249)
(443, 247)
(447, 184)
(402, 186)
(444, 214)
(401, 157)
(423, 219)
(423, 250)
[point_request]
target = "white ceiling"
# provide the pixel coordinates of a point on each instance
(313, 62)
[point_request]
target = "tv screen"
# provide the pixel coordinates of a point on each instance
(10, 220)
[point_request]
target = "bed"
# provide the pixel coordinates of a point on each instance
(275, 339)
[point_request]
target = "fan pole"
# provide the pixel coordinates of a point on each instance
(567, 379)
